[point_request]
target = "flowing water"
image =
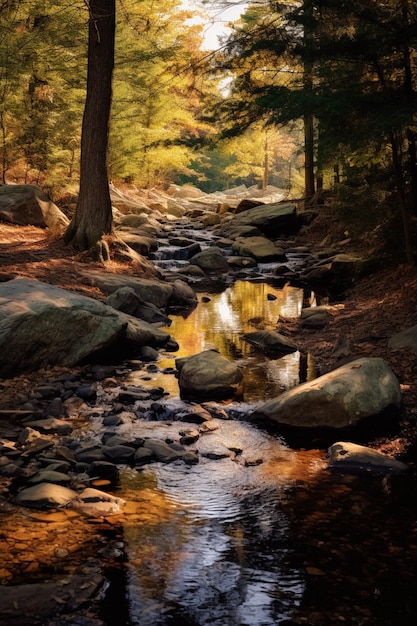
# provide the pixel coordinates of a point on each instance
(268, 535)
(258, 534)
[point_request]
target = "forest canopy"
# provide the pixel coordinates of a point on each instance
(300, 94)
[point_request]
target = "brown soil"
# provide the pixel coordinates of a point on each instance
(372, 310)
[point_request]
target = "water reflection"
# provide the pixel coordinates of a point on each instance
(219, 553)
(220, 320)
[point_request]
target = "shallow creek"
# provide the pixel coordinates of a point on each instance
(268, 536)
(265, 536)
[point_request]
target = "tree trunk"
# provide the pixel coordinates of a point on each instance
(93, 216)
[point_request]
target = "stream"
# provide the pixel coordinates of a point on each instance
(268, 535)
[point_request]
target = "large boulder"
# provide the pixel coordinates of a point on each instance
(43, 325)
(272, 220)
(343, 398)
(208, 376)
(29, 205)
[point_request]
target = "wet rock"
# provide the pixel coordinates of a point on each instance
(342, 398)
(96, 503)
(270, 342)
(260, 248)
(195, 413)
(143, 456)
(241, 262)
(119, 453)
(190, 458)
(161, 450)
(211, 260)
(187, 437)
(208, 376)
(350, 457)
(45, 496)
(187, 252)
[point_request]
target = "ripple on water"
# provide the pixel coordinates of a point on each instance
(219, 553)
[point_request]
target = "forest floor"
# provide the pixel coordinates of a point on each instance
(371, 311)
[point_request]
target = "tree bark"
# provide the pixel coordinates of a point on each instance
(93, 216)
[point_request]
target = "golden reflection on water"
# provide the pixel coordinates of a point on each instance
(220, 320)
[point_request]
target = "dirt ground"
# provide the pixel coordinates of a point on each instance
(372, 310)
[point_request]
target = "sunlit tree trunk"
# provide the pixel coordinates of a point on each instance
(93, 215)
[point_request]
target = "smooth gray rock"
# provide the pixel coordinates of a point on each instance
(208, 376)
(42, 325)
(351, 457)
(341, 398)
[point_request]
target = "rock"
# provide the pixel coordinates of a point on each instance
(188, 437)
(270, 342)
(184, 253)
(126, 300)
(27, 204)
(260, 248)
(405, 339)
(45, 496)
(50, 476)
(272, 220)
(140, 243)
(43, 325)
(342, 398)
(339, 270)
(161, 450)
(211, 260)
(241, 261)
(36, 603)
(208, 376)
(317, 319)
(143, 456)
(351, 457)
(96, 503)
(51, 425)
(159, 293)
(119, 453)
